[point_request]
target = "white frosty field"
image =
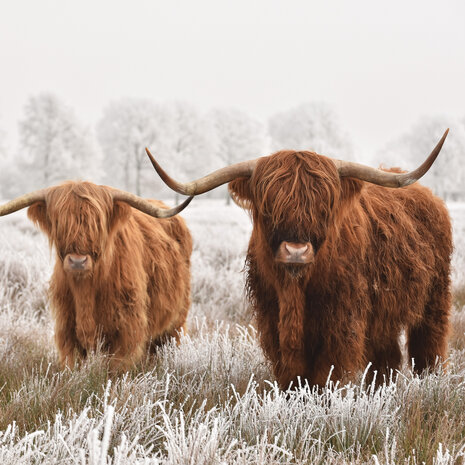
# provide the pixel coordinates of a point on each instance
(212, 399)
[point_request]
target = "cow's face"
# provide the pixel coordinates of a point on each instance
(294, 198)
(79, 219)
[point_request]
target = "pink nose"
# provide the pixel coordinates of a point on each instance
(295, 253)
(77, 262)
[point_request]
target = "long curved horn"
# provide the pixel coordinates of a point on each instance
(243, 169)
(147, 207)
(22, 202)
(385, 178)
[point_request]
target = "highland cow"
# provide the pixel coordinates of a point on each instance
(121, 278)
(342, 258)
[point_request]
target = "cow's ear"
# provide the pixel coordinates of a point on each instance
(240, 192)
(37, 213)
(121, 213)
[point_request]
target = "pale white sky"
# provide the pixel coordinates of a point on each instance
(381, 65)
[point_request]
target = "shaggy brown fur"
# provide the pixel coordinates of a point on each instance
(382, 264)
(135, 288)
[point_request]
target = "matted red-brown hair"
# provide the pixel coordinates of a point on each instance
(297, 191)
(135, 288)
(338, 262)
(382, 263)
(78, 217)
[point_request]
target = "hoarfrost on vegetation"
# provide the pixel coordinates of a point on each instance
(212, 399)
(55, 146)
(138, 421)
(447, 176)
(310, 126)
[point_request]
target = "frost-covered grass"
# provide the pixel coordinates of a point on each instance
(212, 399)
(221, 235)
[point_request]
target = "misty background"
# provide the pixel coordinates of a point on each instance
(203, 84)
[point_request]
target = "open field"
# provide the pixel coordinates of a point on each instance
(212, 399)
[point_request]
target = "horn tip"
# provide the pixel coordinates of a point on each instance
(187, 201)
(443, 138)
(152, 159)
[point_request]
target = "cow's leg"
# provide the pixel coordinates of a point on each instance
(177, 332)
(427, 341)
(65, 338)
(177, 325)
(64, 313)
(337, 358)
(385, 355)
(162, 339)
(124, 361)
(267, 325)
(265, 306)
(126, 352)
(129, 342)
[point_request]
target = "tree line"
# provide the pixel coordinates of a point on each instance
(54, 145)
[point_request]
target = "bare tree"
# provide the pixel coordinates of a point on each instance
(9, 173)
(238, 137)
(447, 176)
(189, 141)
(175, 133)
(54, 145)
(309, 126)
(126, 128)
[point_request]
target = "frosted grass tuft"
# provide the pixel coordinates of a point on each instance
(212, 399)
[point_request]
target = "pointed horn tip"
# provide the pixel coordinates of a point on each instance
(154, 162)
(187, 201)
(184, 204)
(178, 209)
(443, 138)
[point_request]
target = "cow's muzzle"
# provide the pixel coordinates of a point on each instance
(295, 253)
(75, 263)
